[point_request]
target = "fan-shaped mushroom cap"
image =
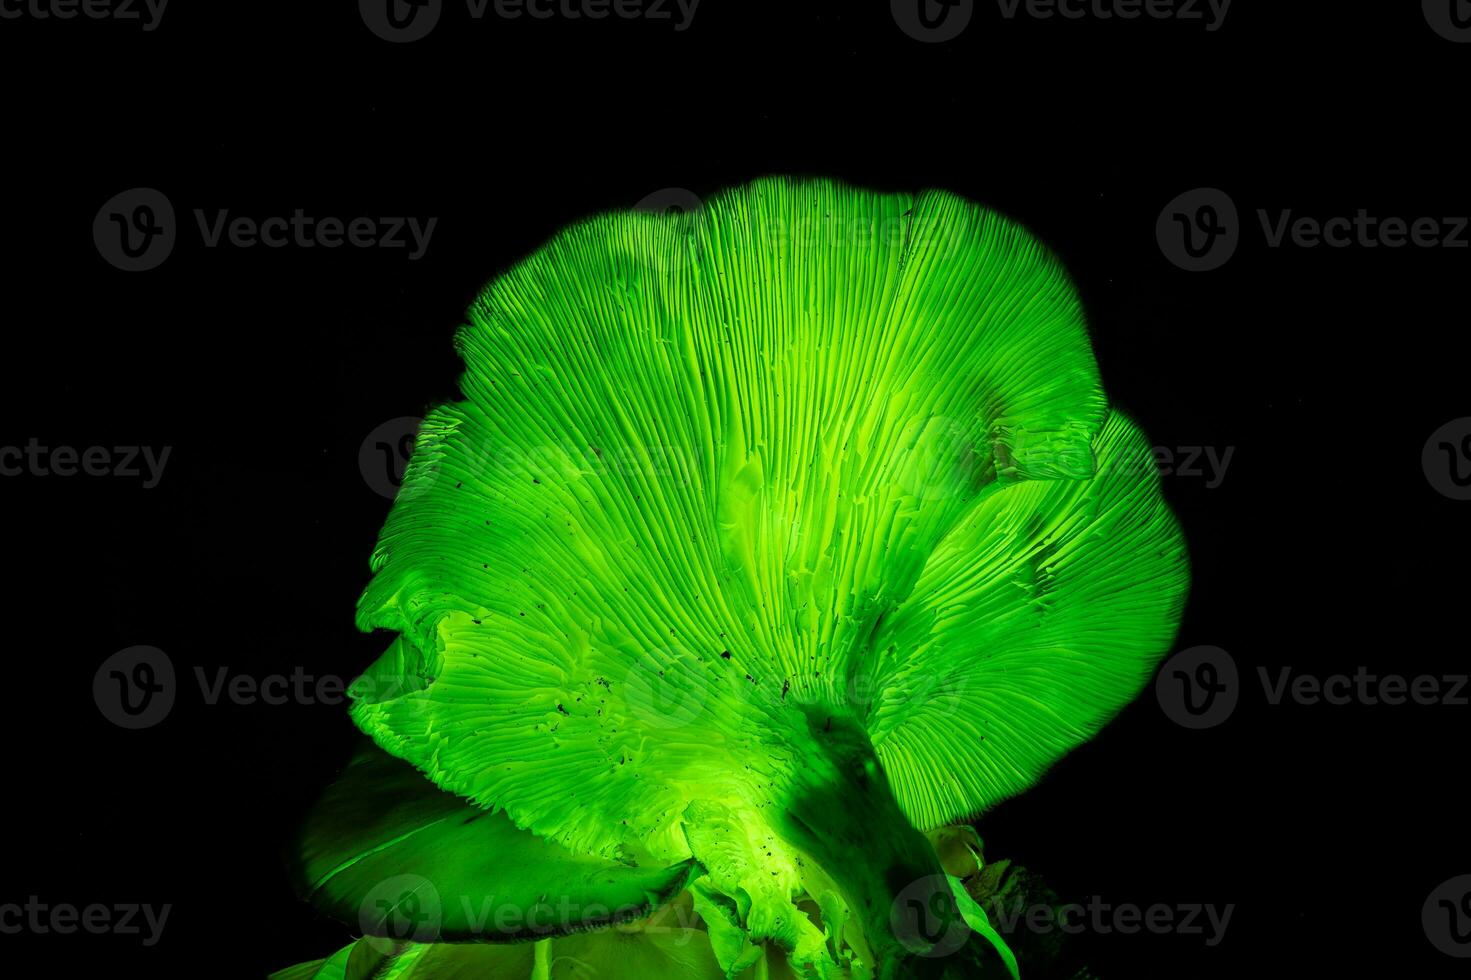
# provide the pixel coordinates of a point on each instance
(807, 452)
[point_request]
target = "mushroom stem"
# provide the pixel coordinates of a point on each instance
(843, 816)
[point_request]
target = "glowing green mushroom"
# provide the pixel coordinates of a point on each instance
(766, 538)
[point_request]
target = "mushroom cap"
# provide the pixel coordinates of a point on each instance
(807, 451)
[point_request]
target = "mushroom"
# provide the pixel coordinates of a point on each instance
(767, 538)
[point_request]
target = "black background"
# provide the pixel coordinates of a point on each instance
(1324, 546)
